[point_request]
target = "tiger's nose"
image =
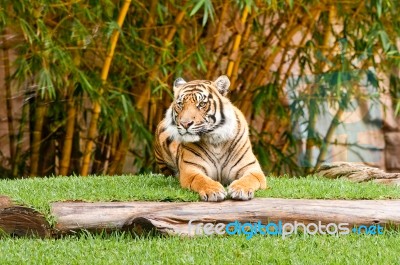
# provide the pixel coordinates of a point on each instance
(186, 124)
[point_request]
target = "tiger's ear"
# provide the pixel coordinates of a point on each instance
(222, 83)
(177, 83)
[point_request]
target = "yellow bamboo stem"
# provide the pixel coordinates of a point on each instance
(150, 20)
(172, 32)
(70, 126)
(69, 133)
(96, 104)
(212, 63)
(236, 63)
(236, 43)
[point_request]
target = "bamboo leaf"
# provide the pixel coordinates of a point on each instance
(45, 84)
(291, 3)
(208, 10)
(384, 40)
(84, 82)
(27, 30)
(196, 8)
(378, 8)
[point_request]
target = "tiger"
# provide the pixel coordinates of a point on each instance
(204, 141)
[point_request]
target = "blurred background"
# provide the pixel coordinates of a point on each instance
(318, 80)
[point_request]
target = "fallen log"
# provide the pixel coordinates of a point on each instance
(20, 221)
(358, 173)
(173, 218)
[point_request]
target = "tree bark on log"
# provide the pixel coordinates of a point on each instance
(173, 218)
(22, 221)
(358, 173)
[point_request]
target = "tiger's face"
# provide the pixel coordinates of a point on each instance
(199, 109)
(194, 110)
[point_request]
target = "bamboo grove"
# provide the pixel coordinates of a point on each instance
(94, 77)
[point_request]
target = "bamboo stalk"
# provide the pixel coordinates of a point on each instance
(37, 137)
(246, 103)
(329, 134)
(220, 24)
(20, 135)
(252, 66)
(90, 138)
(288, 37)
(172, 31)
(211, 63)
(263, 73)
(214, 68)
(312, 121)
(99, 160)
(7, 86)
(148, 107)
(150, 20)
(285, 123)
(114, 142)
(96, 104)
(236, 43)
(237, 62)
(144, 97)
(310, 142)
(294, 59)
(261, 50)
(119, 157)
(70, 126)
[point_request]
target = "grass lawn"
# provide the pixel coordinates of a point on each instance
(120, 248)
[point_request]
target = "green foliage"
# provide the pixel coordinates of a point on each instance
(208, 10)
(307, 52)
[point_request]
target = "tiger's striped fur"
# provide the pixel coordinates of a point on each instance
(204, 140)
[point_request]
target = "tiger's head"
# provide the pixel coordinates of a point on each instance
(201, 111)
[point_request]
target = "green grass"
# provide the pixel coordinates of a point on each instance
(126, 249)
(39, 192)
(123, 249)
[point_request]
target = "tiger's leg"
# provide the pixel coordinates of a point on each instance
(165, 151)
(244, 187)
(194, 179)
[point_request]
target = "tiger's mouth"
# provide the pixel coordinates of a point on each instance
(196, 130)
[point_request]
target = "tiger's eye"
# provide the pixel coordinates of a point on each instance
(179, 105)
(202, 104)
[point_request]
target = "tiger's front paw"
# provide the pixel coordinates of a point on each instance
(212, 192)
(240, 190)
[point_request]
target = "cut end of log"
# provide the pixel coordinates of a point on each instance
(358, 172)
(23, 222)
